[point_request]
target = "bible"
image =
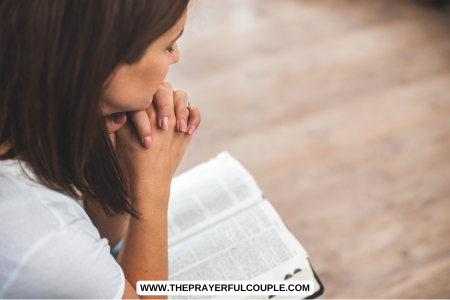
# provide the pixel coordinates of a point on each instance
(221, 227)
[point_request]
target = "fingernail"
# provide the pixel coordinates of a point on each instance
(165, 123)
(119, 118)
(191, 129)
(147, 142)
(183, 125)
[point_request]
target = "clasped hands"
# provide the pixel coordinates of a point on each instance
(152, 142)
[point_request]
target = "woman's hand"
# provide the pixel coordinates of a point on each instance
(154, 167)
(141, 120)
(144, 251)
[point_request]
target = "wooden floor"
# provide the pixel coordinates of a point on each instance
(341, 111)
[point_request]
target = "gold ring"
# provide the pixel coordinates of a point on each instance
(187, 105)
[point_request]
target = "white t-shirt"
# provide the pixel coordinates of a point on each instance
(49, 247)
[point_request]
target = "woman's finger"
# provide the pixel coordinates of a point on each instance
(152, 115)
(169, 90)
(181, 111)
(164, 106)
(115, 121)
(194, 119)
(142, 124)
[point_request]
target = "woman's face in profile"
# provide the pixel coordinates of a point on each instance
(131, 86)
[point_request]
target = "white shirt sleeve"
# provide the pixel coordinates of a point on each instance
(49, 247)
(71, 263)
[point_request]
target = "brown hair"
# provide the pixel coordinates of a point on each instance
(55, 57)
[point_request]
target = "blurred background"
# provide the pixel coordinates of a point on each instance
(341, 111)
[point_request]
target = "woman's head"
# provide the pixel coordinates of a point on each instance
(131, 86)
(64, 63)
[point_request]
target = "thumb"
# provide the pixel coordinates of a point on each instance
(115, 121)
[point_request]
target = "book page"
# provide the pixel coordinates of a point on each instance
(251, 245)
(207, 194)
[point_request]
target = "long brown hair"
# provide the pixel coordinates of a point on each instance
(55, 56)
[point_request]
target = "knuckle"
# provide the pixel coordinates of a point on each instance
(160, 94)
(181, 110)
(182, 115)
(145, 130)
(164, 108)
(195, 110)
(180, 94)
(166, 84)
(161, 89)
(180, 100)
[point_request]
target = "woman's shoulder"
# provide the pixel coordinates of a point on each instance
(50, 240)
(21, 194)
(30, 211)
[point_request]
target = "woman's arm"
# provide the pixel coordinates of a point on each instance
(143, 255)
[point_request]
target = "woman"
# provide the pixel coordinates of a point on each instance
(69, 69)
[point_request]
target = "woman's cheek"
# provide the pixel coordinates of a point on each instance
(133, 88)
(163, 69)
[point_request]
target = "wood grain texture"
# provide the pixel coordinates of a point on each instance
(341, 111)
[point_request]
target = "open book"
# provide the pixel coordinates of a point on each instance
(222, 228)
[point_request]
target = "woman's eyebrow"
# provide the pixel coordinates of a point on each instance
(182, 30)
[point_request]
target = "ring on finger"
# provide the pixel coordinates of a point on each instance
(187, 105)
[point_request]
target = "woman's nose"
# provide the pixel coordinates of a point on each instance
(175, 55)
